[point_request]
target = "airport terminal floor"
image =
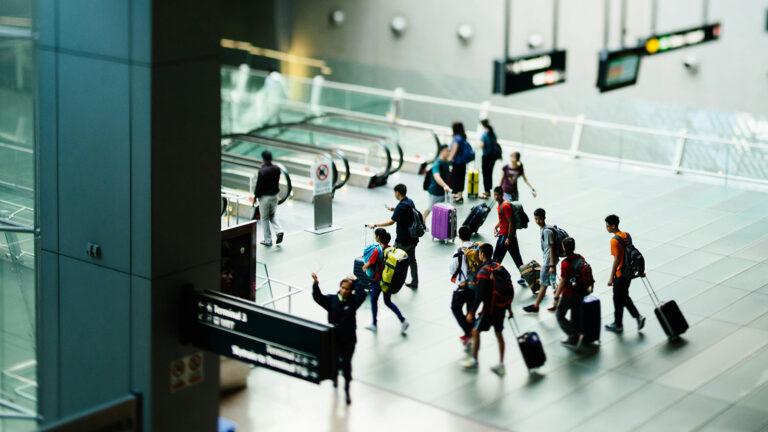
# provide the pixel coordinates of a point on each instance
(705, 244)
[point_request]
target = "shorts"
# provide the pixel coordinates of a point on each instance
(486, 320)
(435, 199)
(544, 281)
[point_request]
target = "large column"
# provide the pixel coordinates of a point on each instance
(129, 127)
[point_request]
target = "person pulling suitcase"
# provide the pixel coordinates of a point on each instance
(621, 276)
(576, 282)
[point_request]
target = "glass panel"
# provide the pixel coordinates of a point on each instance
(706, 156)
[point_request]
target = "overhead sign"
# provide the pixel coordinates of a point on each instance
(657, 44)
(528, 72)
(244, 331)
(619, 68)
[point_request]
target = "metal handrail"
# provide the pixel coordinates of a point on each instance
(292, 290)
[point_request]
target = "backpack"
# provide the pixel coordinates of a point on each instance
(417, 228)
(634, 262)
(428, 177)
(465, 153)
(560, 235)
(495, 147)
(503, 289)
(395, 268)
(521, 219)
(582, 274)
(367, 252)
(473, 264)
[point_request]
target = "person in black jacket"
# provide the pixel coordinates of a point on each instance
(342, 313)
(267, 188)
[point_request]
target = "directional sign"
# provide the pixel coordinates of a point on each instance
(658, 44)
(528, 72)
(618, 68)
(244, 331)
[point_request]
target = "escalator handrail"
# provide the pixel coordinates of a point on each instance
(249, 162)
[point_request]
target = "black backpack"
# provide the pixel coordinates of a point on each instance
(503, 289)
(559, 234)
(634, 262)
(428, 177)
(417, 228)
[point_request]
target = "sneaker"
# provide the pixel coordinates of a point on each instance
(372, 327)
(279, 238)
(265, 243)
(468, 347)
(470, 363)
(552, 308)
(465, 339)
(404, 326)
(522, 283)
(640, 322)
(531, 308)
(499, 370)
(614, 328)
(411, 285)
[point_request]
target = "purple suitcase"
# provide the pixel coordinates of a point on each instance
(443, 222)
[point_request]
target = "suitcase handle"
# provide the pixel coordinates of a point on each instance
(516, 328)
(656, 303)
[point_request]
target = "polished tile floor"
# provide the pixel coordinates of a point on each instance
(706, 246)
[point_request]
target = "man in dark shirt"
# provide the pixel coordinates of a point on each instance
(489, 316)
(342, 313)
(402, 214)
(267, 188)
(570, 296)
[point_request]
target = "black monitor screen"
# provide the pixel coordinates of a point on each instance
(618, 69)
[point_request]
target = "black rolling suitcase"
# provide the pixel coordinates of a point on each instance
(589, 321)
(357, 268)
(530, 346)
(668, 313)
(476, 217)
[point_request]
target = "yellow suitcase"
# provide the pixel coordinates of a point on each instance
(473, 175)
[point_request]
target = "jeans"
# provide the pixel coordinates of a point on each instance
(572, 303)
(268, 209)
(462, 297)
(513, 248)
(622, 300)
(411, 251)
(375, 291)
(488, 163)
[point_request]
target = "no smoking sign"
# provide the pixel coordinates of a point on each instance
(186, 371)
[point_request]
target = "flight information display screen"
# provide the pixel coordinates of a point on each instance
(618, 69)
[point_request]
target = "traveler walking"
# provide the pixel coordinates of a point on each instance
(461, 154)
(491, 153)
(376, 262)
(438, 184)
(506, 230)
(267, 188)
(488, 281)
(464, 266)
(509, 175)
(342, 313)
(551, 243)
(619, 280)
(407, 218)
(571, 291)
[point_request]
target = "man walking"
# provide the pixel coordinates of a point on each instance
(619, 280)
(550, 259)
(570, 293)
(342, 313)
(267, 188)
(465, 282)
(404, 215)
(506, 230)
(438, 186)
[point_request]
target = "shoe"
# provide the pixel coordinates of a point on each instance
(372, 327)
(470, 363)
(531, 308)
(552, 308)
(412, 285)
(465, 340)
(404, 326)
(640, 322)
(468, 347)
(265, 243)
(568, 343)
(279, 238)
(614, 328)
(458, 201)
(349, 399)
(579, 342)
(522, 283)
(499, 370)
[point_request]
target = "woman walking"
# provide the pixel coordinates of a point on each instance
(376, 262)
(491, 153)
(461, 153)
(510, 173)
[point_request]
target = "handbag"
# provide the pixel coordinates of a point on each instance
(255, 212)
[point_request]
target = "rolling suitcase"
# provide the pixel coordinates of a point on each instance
(530, 346)
(476, 217)
(589, 321)
(532, 273)
(443, 221)
(357, 269)
(473, 176)
(668, 313)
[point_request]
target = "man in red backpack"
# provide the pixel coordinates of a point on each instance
(494, 291)
(574, 285)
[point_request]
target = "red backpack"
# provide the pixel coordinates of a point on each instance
(582, 274)
(503, 289)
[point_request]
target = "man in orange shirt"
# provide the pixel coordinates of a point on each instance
(620, 283)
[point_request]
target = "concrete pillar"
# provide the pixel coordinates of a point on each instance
(129, 161)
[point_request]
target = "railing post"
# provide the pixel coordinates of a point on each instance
(317, 90)
(396, 106)
(679, 151)
(578, 126)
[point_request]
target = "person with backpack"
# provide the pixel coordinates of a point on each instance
(506, 230)
(376, 263)
(509, 175)
(495, 292)
(438, 177)
(342, 313)
(464, 266)
(410, 226)
(461, 154)
(491, 153)
(575, 283)
(621, 277)
(551, 246)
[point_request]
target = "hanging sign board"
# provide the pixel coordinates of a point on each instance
(528, 72)
(618, 68)
(658, 44)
